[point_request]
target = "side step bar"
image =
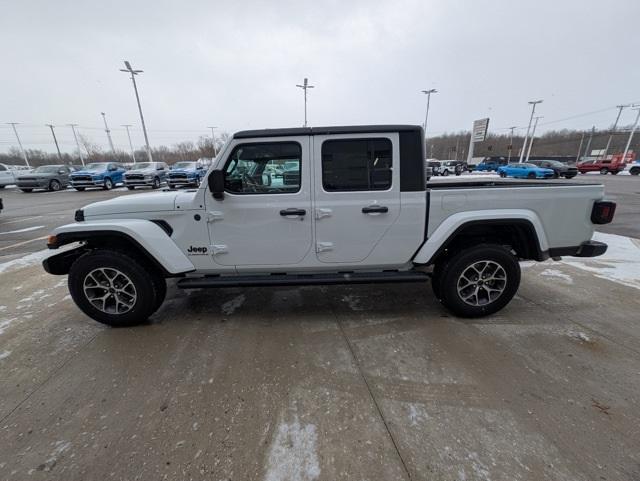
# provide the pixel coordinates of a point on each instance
(302, 279)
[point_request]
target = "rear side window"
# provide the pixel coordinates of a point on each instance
(2, 168)
(356, 164)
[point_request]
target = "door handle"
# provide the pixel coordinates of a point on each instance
(375, 209)
(292, 211)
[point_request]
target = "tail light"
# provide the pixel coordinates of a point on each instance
(602, 212)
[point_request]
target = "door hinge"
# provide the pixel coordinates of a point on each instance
(320, 213)
(324, 246)
(214, 216)
(219, 249)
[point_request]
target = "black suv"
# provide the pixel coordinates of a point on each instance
(560, 169)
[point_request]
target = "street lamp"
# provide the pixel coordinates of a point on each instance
(533, 136)
(55, 140)
(75, 136)
(15, 131)
(426, 115)
(633, 131)
(305, 85)
(615, 126)
(133, 73)
(511, 142)
(213, 136)
(133, 153)
(533, 104)
(106, 129)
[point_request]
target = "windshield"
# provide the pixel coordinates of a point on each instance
(433, 164)
(184, 165)
(47, 169)
(96, 166)
(142, 165)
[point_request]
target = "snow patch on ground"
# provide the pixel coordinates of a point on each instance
(556, 274)
(293, 455)
(4, 354)
(621, 262)
(5, 323)
(230, 307)
(25, 261)
(26, 229)
(580, 336)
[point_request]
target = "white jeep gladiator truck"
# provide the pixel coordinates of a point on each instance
(323, 205)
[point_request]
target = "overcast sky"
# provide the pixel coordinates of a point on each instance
(235, 64)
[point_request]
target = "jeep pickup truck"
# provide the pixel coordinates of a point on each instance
(355, 208)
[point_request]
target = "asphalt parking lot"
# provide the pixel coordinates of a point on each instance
(356, 383)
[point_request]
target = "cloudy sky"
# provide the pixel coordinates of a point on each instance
(235, 64)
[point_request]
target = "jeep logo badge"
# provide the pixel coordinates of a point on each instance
(197, 251)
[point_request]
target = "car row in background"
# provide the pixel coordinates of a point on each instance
(604, 166)
(447, 167)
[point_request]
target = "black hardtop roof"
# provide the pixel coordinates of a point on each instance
(338, 129)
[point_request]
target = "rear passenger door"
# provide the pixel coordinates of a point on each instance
(356, 194)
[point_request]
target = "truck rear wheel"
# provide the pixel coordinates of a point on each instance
(635, 171)
(114, 289)
(478, 281)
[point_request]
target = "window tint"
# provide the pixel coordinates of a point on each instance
(2, 168)
(264, 168)
(358, 164)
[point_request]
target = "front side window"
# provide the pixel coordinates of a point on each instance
(264, 168)
(356, 165)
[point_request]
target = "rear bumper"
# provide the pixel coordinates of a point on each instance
(586, 249)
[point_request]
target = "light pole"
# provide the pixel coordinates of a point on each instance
(633, 131)
(135, 88)
(511, 142)
(106, 129)
(15, 131)
(613, 131)
(55, 140)
(133, 153)
(533, 136)
(213, 136)
(305, 85)
(426, 115)
(533, 104)
(73, 129)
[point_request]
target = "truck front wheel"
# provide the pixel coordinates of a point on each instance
(114, 289)
(478, 281)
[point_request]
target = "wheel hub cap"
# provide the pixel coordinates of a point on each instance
(482, 283)
(110, 290)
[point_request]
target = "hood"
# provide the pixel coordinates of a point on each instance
(31, 175)
(183, 171)
(150, 170)
(128, 204)
(88, 172)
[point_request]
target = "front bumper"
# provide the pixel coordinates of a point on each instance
(586, 249)
(35, 184)
(138, 182)
(183, 181)
(87, 183)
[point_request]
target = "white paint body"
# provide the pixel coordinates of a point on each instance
(246, 233)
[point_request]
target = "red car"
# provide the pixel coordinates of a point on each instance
(604, 166)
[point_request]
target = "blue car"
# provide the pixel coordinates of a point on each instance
(98, 174)
(489, 166)
(525, 171)
(187, 173)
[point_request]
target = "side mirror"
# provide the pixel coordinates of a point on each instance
(216, 184)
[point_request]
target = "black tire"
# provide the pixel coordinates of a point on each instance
(108, 184)
(556, 174)
(148, 290)
(27, 190)
(445, 172)
(604, 171)
(503, 175)
(531, 175)
(582, 172)
(131, 187)
(456, 266)
(2, 186)
(79, 189)
(54, 185)
(614, 172)
(172, 187)
(634, 171)
(156, 183)
(570, 176)
(197, 183)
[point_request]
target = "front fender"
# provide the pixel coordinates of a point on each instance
(145, 234)
(454, 222)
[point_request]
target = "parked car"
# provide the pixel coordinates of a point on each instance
(98, 174)
(146, 174)
(435, 166)
(489, 166)
(366, 215)
(633, 168)
(6, 176)
(48, 177)
(186, 173)
(604, 166)
(456, 167)
(525, 171)
(560, 169)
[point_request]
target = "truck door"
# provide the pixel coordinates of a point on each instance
(265, 216)
(356, 193)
